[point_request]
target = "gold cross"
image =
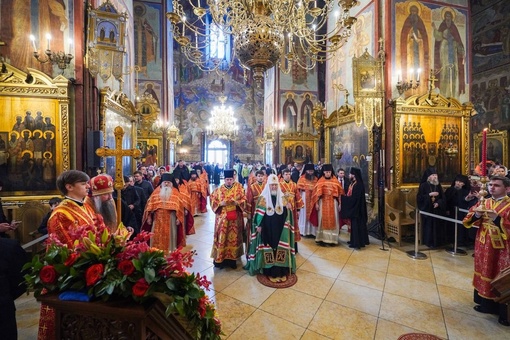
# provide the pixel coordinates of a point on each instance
(118, 153)
(432, 80)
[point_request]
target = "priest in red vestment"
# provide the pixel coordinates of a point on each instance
(228, 203)
(164, 216)
(492, 245)
(326, 199)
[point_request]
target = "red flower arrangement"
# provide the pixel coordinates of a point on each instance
(106, 265)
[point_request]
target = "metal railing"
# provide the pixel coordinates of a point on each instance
(416, 254)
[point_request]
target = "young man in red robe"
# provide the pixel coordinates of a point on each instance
(492, 245)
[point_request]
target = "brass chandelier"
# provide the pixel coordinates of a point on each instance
(264, 33)
(223, 124)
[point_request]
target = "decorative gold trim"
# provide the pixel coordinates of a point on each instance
(432, 105)
(36, 84)
(342, 119)
(293, 138)
(106, 41)
(368, 90)
(501, 136)
(148, 110)
(122, 109)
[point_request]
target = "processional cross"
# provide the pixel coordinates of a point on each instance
(118, 153)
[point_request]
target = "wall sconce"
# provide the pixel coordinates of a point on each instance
(60, 58)
(413, 84)
(4, 73)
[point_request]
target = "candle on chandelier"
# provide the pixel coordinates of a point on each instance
(70, 46)
(183, 26)
(484, 152)
(418, 74)
(399, 76)
(32, 39)
(48, 40)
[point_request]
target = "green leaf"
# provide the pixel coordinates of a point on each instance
(149, 274)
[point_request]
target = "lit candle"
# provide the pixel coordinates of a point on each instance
(411, 75)
(484, 152)
(183, 26)
(32, 38)
(314, 31)
(48, 39)
(418, 74)
(196, 40)
(290, 41)
(70, 46)
(399, 75)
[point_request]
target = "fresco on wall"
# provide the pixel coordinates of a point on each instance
(430, 36)
(19, 19)
(153, 88)
(195, 101)
(480, 5)
(339, 68)
(148, 39)
(490, 90)
(491, 101)
(491, 37)
(296, 111)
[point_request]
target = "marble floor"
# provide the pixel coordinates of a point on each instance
(340, 294)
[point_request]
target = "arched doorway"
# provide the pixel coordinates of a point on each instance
(217, 152)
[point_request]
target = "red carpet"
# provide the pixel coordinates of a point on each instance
(291, 281)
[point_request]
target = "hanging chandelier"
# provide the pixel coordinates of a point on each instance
(264, 33)
(222, 123)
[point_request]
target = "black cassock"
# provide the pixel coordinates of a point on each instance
(354, 207)
(272, 227)
(432, 228)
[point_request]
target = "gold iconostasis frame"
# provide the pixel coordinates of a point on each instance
(430, 130)
(116, 109)
(149, 112)
(349, 145)
(299, 147)
(30, 162)
(497, 147)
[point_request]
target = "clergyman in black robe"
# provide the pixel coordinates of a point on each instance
(354, 207)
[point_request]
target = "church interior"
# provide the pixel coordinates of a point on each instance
(391, 87)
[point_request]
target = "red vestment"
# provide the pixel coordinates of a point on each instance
(162, 221)
(492, 244)
(228, 236)
(68, 215)
(292, 196)
(327, 191)
(195, 187)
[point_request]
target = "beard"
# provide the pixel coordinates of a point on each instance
(434, 181)
(274, 192)
(309, 177)
(107, 210)
(165, 193)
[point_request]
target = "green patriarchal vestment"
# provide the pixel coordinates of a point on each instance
(282, 252)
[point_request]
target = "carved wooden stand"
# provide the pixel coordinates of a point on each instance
(113, 320)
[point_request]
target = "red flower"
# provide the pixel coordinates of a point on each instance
(126, 267)
(48, 275)
(140, 288)
(202, 306)
(93, 273)
(71, 259)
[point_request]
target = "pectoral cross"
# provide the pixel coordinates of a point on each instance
(118, 153)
